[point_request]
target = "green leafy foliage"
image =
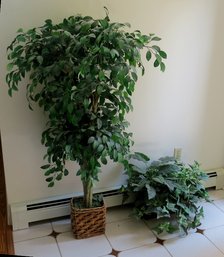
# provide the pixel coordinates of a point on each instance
(82, 72)
(169, 190)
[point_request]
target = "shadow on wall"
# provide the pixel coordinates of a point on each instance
(176, 107)
(212, 132)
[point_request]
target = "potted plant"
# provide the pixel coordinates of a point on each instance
(168, 189)
(82, 72)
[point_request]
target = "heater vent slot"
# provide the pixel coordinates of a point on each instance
(35, 206)
(212, 174)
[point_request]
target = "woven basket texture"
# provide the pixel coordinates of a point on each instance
(87, 222)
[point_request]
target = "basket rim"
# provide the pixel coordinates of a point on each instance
(85, 209)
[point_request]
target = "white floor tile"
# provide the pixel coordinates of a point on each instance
(216, 235)
(220, 204)
(34, 231)
(90, 247)
(38, 247)
(213, 216)
(152, 250)
(128, 234)
(118, 213)
(61, 226)
(194, 245)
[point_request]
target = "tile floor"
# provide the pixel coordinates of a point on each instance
(126, 237)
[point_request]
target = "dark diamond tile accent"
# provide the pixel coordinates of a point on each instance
(54, 234)
(114, 253)
(200, 231)
(159, 241)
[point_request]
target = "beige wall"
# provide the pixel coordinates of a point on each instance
(180, 108)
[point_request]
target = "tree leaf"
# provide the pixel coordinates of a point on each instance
(100, 148)
(156, 48)
(101, 75)
(44, 167)
(20, 30)
(134, 76)
(49, 179)
(148, 55)
(70, 107)
(103, 160)
(163, 54)
(95, 144)
(162, 67)
(79, 172)
(91, 140)
(156, 39)
(156, 63)
(99, 90)
(86, 103)
(59, 177)
(10, 66)
(104, 139)
(10, 92)
(51, 184)
(66, 172)
(21, 38)
(99, 123)
(40, 59)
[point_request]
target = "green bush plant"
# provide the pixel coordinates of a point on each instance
(82, 72)
(167, 189)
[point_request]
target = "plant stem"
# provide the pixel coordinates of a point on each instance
(94, 104)
(88, 194)
(87, 187)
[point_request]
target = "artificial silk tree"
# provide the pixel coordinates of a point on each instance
(82, 72)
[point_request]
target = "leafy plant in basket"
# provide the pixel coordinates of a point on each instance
(168, 190)
(82, 72)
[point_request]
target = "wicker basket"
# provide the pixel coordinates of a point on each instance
(87, 222)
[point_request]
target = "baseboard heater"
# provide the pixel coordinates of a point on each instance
(53, 207)
(215, 179)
